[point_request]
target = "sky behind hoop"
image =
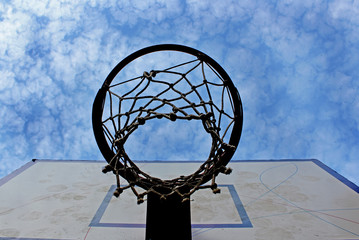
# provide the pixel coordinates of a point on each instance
(295, 65)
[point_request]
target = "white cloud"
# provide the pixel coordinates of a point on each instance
(346, 9)
(14, 33)
(12, 120)
(7, 80)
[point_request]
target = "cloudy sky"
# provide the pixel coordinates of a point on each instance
(295, 64)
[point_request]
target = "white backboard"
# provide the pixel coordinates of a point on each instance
(269, 199)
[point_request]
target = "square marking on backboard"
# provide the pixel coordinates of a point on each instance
(104, 216)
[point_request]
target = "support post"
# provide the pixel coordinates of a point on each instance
(168, 219)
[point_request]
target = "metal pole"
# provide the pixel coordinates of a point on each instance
(168, 219)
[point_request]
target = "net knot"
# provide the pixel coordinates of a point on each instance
(149, 75)
(141, 120)
(107, 169)
(119, 142)
(153, 73)
(117, 192)
(175, 109)
(190, 117)
(209, 115)
(204, 116)
(140, 200)
(226, 170)
(215, 188)
(173, 116)
(159, 115)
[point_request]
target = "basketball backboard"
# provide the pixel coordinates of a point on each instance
(273, 199)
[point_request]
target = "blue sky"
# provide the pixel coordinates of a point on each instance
(295, 64)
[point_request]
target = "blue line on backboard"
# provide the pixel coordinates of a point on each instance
(246, 223)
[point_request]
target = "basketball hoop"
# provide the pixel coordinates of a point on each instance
(187, 91)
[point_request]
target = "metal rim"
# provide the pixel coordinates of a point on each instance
(98, 105)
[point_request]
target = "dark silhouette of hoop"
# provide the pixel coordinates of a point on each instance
(111, 143)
